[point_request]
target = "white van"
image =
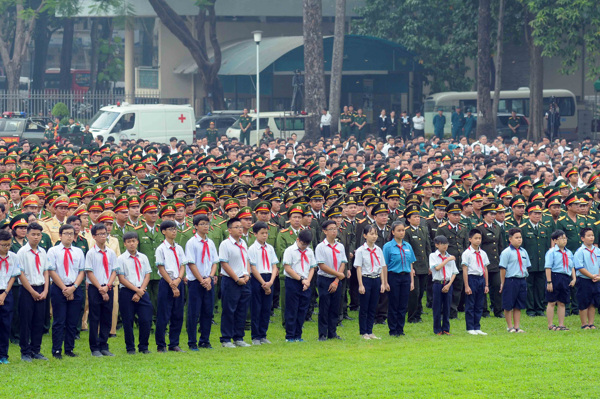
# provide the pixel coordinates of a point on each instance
(282, 124)
(153, 122)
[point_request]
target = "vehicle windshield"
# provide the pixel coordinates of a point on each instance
(103, 120)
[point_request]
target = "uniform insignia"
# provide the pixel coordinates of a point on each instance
(138, 227)
(521, 225)
(480, 224)
(561, 218)
(443, 224)
(284, 230)
(145, 230)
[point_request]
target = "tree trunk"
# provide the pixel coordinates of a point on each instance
(207, 69)
(66, 54)
(105, 36)
(314, 80)
(484, 102)
(337, 61)
(536, 85)
(94, 40)
(498, 60)
(41, 37)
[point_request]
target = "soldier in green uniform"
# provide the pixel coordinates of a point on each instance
(212, 133)
(553, 211)
(360, 122)
(245, 216)
(87, 137)
(418, 237)
(49, 132)
(517, 205)
(185, 228)
(232, 207)
(514, 122)
(345, 122)
(392, 196)
(439, 122)
(262, 211)
(490, 244)
(245, 122)
(536, 241)
(353, 114)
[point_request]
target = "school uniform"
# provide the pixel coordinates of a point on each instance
(264, 259)
(235, 298)
(441, 300)
(296, 299)
(169, 308)
(371, 262)
(203, 254)
(134, 269)
(9, 268)
(67, 263)
(561, 264)
(32, 264)
(588, 292)
(476, 262)
(101, 263)
(514, 292)
(334, 256)
(398, 259)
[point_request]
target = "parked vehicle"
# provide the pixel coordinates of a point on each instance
(16, 126)
(282, 124)
(222, 119)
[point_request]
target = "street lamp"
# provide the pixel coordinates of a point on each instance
(257, 37)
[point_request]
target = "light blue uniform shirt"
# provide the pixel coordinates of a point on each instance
(509, 260)
(554, 261)
(398, 261)
(584, 259)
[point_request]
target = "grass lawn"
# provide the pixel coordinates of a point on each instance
(540, 363)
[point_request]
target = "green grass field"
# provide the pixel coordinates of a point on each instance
(540, 363)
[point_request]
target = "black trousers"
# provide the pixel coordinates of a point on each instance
(100, 318)
(353, 291)
(6, 312)
(329, 307)
(536, 292)
(415, 300)
(457, 291)
(32, 321)
(64, 318)
(129, 309)
(16, 320)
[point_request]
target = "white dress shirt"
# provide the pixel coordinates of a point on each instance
(418, 122)
(126, 266)
(370, 266)
(203, 259)
(446, 272)
(26, 262)
(324, 254)
(299, 263)
(166, 257)
(56, 262)
(94, 262)
(236, 254)
(9, 268)
(469, 258)
(326, 119)
(263, 261)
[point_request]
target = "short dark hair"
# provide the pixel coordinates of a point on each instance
(258, 226)
(98, 227)
(474, 232)
(231, 221)
(305, 236)
(440, 240)
(34, 226)
(64, 227)
(514, 231)
(557, 234)
(326, 224)
(173, 139)
(131, 235)
(167, 224)
(73, 218)
(585, 230)
(200, 218)
(5, 235)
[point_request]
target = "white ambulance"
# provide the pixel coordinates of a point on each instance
(153, 122)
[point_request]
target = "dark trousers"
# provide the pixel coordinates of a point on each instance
(368, 304)
(235, 301)
(494, 294)
(16, 320)
(260, 307)
(245, 137)
(353, 291)
(343, 287)
(64, 318)
(313, 296)
(474, 302)
(152, 290)
(82, 311)
(6, 312)
(199, 310)
(297, 305)
(282, 299)
(170, 311)
(536, 292)
(441, 308)
(457, 291)
(415, 301)
(276, 287)
(329, 307)
(32, 321)
(326, 131)
(429, 291)
(129, 309)
(398, 301)
(100, 318)
(405, 134)
(381, 312)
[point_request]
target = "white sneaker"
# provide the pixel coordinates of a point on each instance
(256, 342)
(264, 341)
(472, 332)
(241, 344)
(480, 332)
(227, 345)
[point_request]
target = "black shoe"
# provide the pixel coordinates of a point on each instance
(107, 353)
(176, 349)
(84, 329)
(26, 358)
(499, 316)
(340, 324)
(346, 317)
(77, 336)
(337, 337)
(531, 314)
(57, 356)
(131, 352)
(39, 356)
(540, 313)
(15, 341)
(322, 338)
(71, 354)
(146, 352)
(402, 333)
(310, 320)
(379, 321)
(162, 350)
(455, 317)
(112, 335)
(205, 346)
(354, 309)
(413, 321)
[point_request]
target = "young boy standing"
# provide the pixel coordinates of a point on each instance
(134, 271)
(201, 274)
(514, 262)
(9, 271)
(560, 277)
(586, 264)
(443, 272)
(474, 266)
(171, 262)
(263, 264)
(33, 263)
(100, 262)
(299, 267)
(66, 265)
(331, 258)
(235, 290)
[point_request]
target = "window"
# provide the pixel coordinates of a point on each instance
(566, 105)
(127, 121)
(224, 123)
(82, 79)
(205, 123)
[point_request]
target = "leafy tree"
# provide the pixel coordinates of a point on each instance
(60, 110)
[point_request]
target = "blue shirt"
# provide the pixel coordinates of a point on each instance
(554, 260)
(586, 260)
(509, 260)
(398, 261)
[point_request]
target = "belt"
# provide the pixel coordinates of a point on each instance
(69, 285)
(441, 282)
(371, 276)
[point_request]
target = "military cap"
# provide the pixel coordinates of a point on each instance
(524, 182)
(440, 203)
(149, 206)
(491, 207)
(231, 203)
(476, 195)
(506, 192)
(167, 210)
(413, 198)
(334, 211)
(62, 200)
(262, 206)
(512, 182)
(393, 192)
(454, 207)
(380, 207)
(410, 210)
(518, 200)
(467, 175)
(372, 201)
(535, 206)
(296, 208)
(106, 216)
(572, 171)
(19, 220)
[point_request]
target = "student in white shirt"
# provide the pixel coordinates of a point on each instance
(201, 274)
(133, 269)
(475, 276)
(263, 265)
(66, 264)
(371, 272)
(99, 267)
(33, 263)
(299, 267)
(235, 290)
(331, 258)
(171, 262)
(443, 272)
(9, 272)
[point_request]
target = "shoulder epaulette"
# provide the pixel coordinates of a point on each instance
(272, 224)
(284, 230)
(598, 222)
(480, 224)
(443, 224)
(138, 227)
(522, 225)
(430, 217)
(221, 222)
(362, 220)
(561, 218)
(186, 230)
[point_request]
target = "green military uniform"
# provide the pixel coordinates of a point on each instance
(347, 236)
(117, 232)
(513, 122)
(46, 242)
(88, 137)
(185, 231)
(490, 244)
(426, 210)
(212, 134)
(81, 243)
(150, 239)
(353, 129)
(49, 134)
(458, 242)
(536, 241)
(360, 132)
(346, 125)
(214, 231)
(418, 238)
(245, 136)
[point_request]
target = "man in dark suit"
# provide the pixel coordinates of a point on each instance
(490, 244)
(418, 237)
(382, 124)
